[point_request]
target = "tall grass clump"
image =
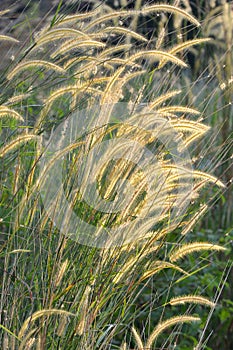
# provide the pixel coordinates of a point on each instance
(56, 291)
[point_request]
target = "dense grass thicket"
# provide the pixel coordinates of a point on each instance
(131, 100)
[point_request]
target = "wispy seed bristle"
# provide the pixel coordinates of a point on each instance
(8, 38)
(171, 9)
(34, 63)
(195, 299)
(193, 247)
(168, 323)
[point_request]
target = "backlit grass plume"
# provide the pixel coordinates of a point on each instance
(77, 289)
